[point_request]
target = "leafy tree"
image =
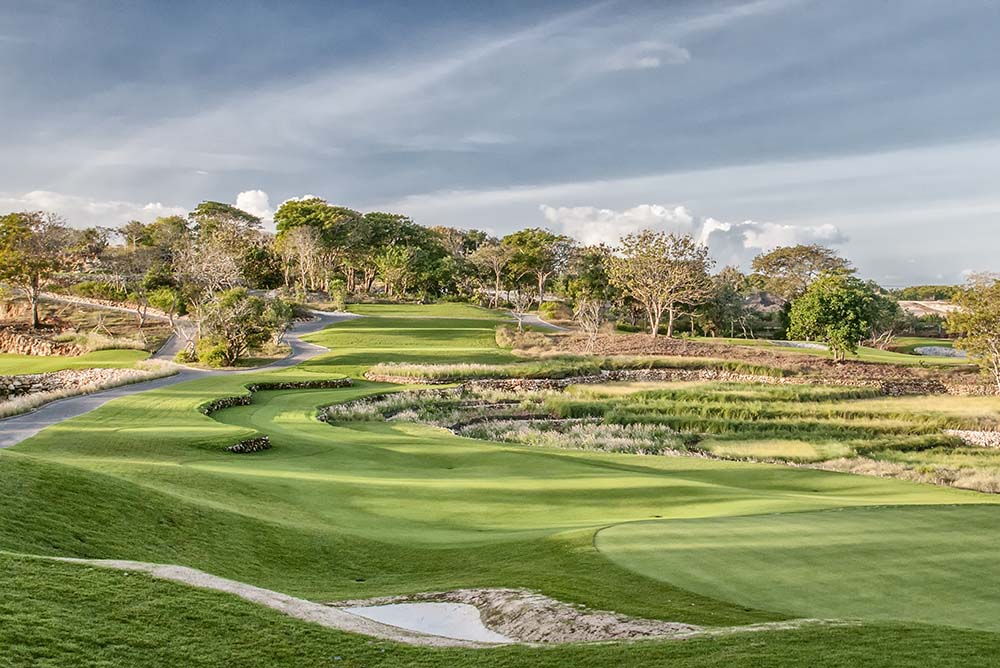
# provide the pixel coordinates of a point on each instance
(208, 215)
(887, 318)
(538, 253)
(662, 272)
(33, 246)
(788, 271)
(313, 212)
(922, 293)
(588, 274)
(977, 322)
(726, 307)
(237, 323)
(837, 309)
(491, 260)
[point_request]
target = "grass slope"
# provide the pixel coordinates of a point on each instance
(110, 359)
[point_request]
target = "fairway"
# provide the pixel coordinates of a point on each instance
(358, 509)
(933, 565)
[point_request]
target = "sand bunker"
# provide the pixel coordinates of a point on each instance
(449, 620)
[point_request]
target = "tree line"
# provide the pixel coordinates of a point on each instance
(211, 265)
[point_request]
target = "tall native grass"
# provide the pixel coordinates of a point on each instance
(146, 370)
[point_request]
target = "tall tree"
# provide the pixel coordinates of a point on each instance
(977, 322)
(663, 272)
(491, 260)
(208, 215)
(33, 246)
(538, 253)
(837, 309)
(788, 270)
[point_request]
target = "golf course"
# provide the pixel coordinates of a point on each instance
(777, 565)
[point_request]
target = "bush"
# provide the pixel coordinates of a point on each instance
(338, 295)
(99, 290)
(554, 311)
(211, 352)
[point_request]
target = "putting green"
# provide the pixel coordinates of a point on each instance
(931, 564)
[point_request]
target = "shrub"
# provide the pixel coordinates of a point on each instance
(554, 311)
(211, 352)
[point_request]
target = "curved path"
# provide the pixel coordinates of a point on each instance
(15, 429)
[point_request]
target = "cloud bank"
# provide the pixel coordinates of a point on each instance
(729, 242)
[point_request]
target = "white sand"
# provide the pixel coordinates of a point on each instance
(449, 620)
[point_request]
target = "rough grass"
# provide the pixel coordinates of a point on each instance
(29, 402)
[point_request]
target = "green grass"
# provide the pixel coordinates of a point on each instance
(19, 364)
(907, 344)
(57, 614)
(864, 353)
(919, 564)
(439, 310)
(363, 509)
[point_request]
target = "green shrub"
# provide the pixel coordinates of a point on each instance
(211, 352)
(554, 311)
(99, 290)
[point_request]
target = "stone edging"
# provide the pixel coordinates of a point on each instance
(254, 444)
(886, 387)
(246, 399)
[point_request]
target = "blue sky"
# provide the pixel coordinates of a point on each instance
(868, 125)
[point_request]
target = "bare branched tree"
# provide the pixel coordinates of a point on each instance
(590, 315)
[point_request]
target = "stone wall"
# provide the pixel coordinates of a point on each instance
(69, 379)
(20, 342)
(247, 445)
(982, 439)
(888, 387)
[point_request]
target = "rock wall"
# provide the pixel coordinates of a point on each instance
(982, 439)
(17, 342)
(247, 445)
(69, 379)
(888, 387)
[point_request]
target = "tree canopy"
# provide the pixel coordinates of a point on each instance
(787, 271)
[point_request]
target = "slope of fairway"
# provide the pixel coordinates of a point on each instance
(931, 564)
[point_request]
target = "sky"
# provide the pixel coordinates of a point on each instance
(870, 126)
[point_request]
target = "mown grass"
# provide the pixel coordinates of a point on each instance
(11, 365)
(843, 564)
(362, 509)
(863, 354)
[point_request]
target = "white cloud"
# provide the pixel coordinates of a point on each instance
(256, 202)
(646, 55)
(729, 243)
(86, 212)
(737, 243)
(595, 226)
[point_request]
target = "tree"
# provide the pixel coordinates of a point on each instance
(837, 309)
(587, 276)
(726, 307)
(590, 313)
(300, 248)
(491, 260)
(788, 270)
(538, 253)
(887, 318)
(662, 272)
(977, 322)
(208, 215)
(520, 302)
(237, 323)
(33, 246)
